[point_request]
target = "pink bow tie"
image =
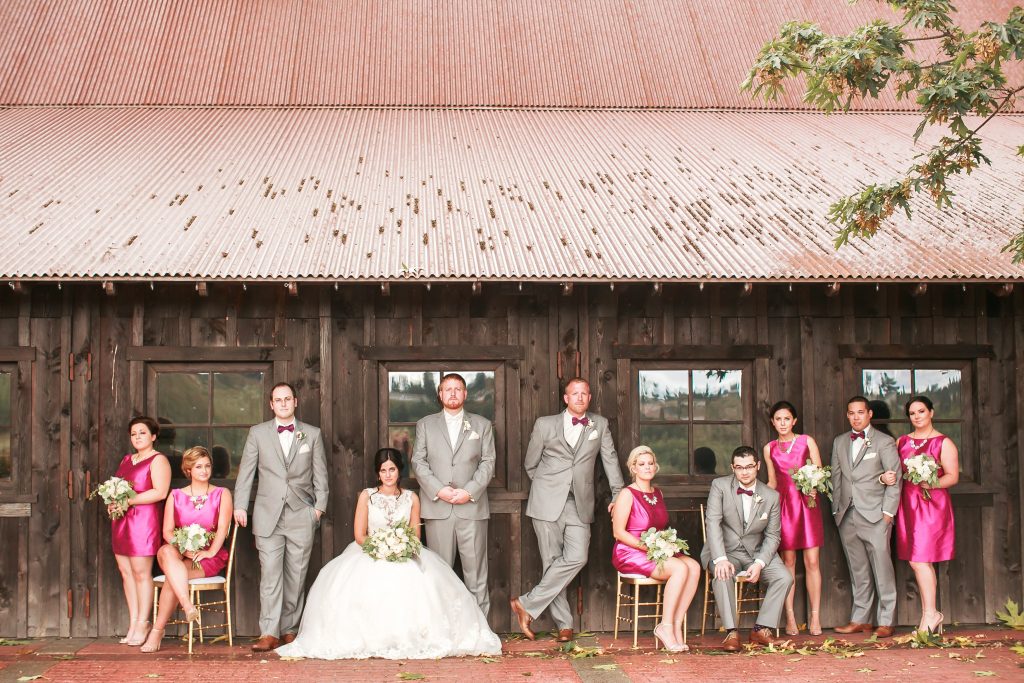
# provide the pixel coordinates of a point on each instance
(580, 421)
(285, 428)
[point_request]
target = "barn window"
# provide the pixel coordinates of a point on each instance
(693, 416)
(211, 406)
(6, 462)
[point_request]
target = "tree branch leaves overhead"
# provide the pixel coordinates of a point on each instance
(964, 76)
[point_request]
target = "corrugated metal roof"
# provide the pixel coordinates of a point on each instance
(517, 53)
(436, 194)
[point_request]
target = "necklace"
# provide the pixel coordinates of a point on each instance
(786, 451)
(918, 446)
(199, 501)
(651, 499)
(139, 457)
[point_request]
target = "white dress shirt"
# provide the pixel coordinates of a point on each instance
(858, 445)
(571, 431)
(286, 437)
(455, 425)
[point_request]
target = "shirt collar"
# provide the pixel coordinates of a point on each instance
(457, 417)
(283, 424)
(567, 418)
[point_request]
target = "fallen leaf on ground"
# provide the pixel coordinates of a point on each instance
(152, 676)
(539, 655)
(488, 660)
(667, 661)
(985, 674)
(410, 676)
(286, 658)
(865, 670)
(30, 678)
(606, 667)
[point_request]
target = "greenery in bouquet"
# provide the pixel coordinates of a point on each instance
(663, 544)
(812, 479)
(922, 469)
(117, 492)
(191, 539)
(396, 543)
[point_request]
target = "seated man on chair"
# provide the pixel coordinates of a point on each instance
(743, 530)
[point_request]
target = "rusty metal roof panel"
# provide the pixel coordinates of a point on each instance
(368, 194)
(504, 53)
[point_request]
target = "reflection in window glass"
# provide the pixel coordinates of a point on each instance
(239, 397)
(943, 388)
(480, 391)
(716, 395)
(664, 394)
(670, 444)
(5, 425)
(412, 395)
(888, 391)
(719, 441)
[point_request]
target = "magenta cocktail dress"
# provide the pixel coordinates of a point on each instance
(924, 528)
(137, 534)
(205, 513)
(801, 524)
(642, 516)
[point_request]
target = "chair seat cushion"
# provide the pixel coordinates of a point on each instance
(201, 581)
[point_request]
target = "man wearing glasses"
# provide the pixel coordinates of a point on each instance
(291, 496)
(743, 525)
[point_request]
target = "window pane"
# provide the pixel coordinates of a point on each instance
(5, 452)
(5, 399)
(237, 397)
(403, 438)
(722, 440)
(670, 445)
(480, 388)
(716, 395)
(173, 441)
(183, 398)
(954, 430)
(894, 428)
(664, 395)
(412, 395)
(943, 388)
(888, 391)
(226, 449)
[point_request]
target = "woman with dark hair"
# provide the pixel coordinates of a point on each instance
(135, 536)
(801, 523)
(924, 523)
(439, 616)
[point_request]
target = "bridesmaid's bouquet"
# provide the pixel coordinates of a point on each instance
(114, 491)
(396, 543)
(191, 539)
(922, 469)
(663, 544)
(811, 479)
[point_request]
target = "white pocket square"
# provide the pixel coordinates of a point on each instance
(593, 435)
(868, 456)
(473, 436)
(304, 449)
(764, 515)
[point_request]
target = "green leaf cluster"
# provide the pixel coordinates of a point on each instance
(1011, 616)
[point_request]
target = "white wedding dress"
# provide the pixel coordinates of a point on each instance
(359, 607)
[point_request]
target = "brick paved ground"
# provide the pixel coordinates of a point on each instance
(981, 653)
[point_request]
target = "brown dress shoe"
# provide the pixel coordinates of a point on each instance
(564, 635)
(287, 638)
(524, 618)
(732, 642)
(885, 631)
(854, 627)
(265, 644)
(761, 636)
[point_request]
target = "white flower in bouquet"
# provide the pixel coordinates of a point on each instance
(191, 539)
(663, 544)
(115, 491)
(811, 479)
(396, 543)
(922, 469)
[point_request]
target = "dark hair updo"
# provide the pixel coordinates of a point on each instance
(782, 405)
(384, 455)
(918, 399)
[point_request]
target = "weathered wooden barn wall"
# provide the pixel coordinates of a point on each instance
(80, 357)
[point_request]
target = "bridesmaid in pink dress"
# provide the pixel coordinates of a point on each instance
(639, 507)
(801, 524)
(136, 536)
(924, 528)
(199, 503)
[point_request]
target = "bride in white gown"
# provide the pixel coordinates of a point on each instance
(431, 612)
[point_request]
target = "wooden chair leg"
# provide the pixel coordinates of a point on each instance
(191, 624)
(156, 601)
(636, 613)
(227, 613)
(199, 624)
(618, 603)
(704, 613)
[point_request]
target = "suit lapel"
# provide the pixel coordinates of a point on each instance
(461, 434)
(560, 427)
(755, 504)
(276, 441)
(584, 435)
(442, 424)
(293, 451)
(737, 502)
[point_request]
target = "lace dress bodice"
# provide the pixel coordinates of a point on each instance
(386, 510)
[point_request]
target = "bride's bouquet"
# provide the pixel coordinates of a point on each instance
(395, 543)
(663, 544)
(811, 479)
(191, 539)
(922, 469)
(116, 491)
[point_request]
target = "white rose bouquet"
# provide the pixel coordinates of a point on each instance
(922, 469)
(811, 479)
(191, 539)
(115, 491)
(663, 544)
(395, 543)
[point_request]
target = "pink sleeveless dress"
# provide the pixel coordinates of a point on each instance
(801, 524)
(206, 516)
(924, 528)
(642, 516)
(138, 533)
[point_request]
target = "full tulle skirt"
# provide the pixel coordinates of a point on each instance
(419, 609)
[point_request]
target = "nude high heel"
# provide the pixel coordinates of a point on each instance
(154, 647)
(791, 619)
(813, 632)
(142, 632)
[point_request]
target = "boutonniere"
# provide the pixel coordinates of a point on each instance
(758, 499)
(867, 444)
(466, 426)
(300, 436)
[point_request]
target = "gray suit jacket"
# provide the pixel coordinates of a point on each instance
(299, 481)
(725, 527)
(468, 464)
(555, 467)
(858, 485)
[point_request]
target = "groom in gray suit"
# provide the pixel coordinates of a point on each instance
(454, 462)
(864, 508)
(560, 463)
(743, 522)
(290, 499)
